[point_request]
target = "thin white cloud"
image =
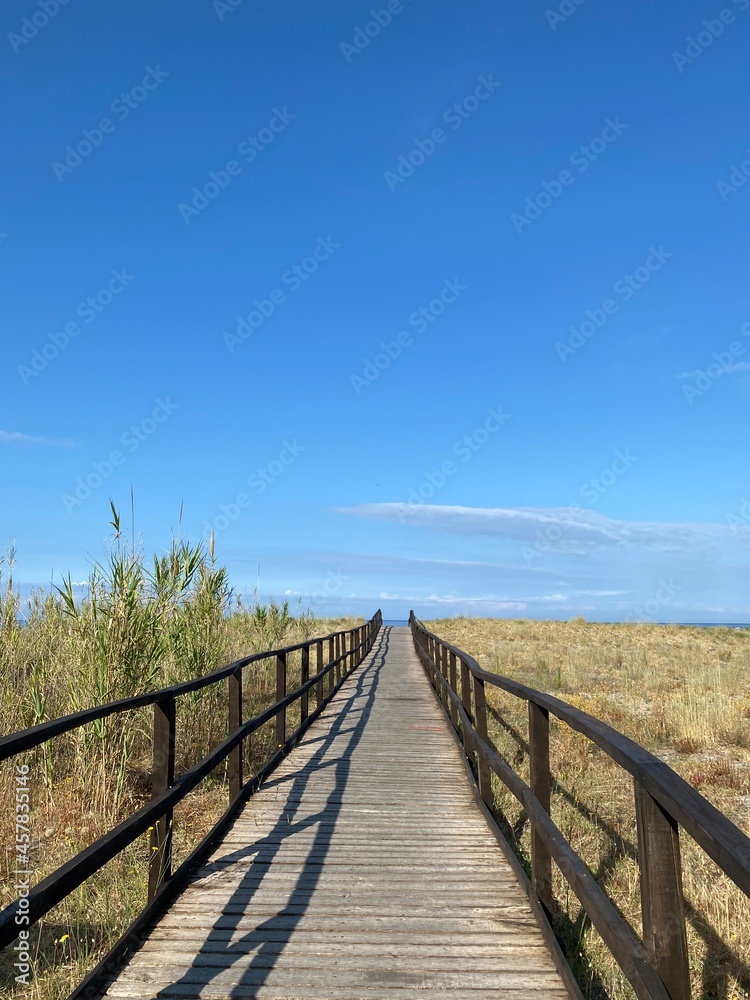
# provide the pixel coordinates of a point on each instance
(16, 437)
(599, 593)
(382, 563)
(454, 599)
(740, 366)
(570, 530)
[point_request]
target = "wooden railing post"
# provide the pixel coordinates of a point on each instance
(319, 667)
(162, 778)
(662, 901)
(331, 657)
(541, 786)
(304, 702)
(234, 765)
(443, 667)
(280, 693)
(466, 702)
(480, 724)
(452, 682)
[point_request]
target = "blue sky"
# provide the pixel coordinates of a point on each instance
(436, 305)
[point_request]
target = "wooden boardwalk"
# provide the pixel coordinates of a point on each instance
(363, 868)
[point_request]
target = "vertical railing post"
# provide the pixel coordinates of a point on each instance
(331, 658)
(662, 901)
(304, 702)
(280, 693)
(466, 701)
(443, 667)
(541, 785)
(480, 724)
(452, 682)
(319, 659)
(235, 721)
(162, 778)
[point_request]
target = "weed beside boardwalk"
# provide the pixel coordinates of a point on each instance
(682, 692)
(136, 626)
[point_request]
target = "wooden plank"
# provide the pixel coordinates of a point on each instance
(188, 991)
(161, 976)
(345, 942)
(541, 786)
(662, 901)
(505, 960)
(234, 761)
(160, 859)
(280, 694)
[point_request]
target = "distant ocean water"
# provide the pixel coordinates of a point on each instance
(713, 624)
(398, 621)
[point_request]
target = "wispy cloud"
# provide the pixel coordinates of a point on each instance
(576, 531)
(16, 437)
(740, 366)
(489, 604)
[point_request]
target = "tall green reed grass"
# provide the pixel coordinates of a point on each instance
(135, 624)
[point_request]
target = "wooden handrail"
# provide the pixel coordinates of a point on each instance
(656, 967)
(27, 739)
(168, 791)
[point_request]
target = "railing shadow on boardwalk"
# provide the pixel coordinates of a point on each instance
(272, 935)
(719, 964)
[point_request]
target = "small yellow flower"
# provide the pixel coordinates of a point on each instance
(63, 938)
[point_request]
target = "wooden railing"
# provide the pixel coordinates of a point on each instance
(336, 655)
(656, 966)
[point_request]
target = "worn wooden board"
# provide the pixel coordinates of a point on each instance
(362, 869)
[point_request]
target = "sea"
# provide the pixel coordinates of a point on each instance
(399, 621)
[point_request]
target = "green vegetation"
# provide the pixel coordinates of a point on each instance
(137, 625)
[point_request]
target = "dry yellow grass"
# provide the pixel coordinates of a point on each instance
(84, 783)
(682, 692)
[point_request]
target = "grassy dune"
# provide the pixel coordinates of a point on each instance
(682, 692)
(141, 625)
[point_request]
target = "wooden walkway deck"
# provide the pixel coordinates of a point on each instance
(362, 869)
